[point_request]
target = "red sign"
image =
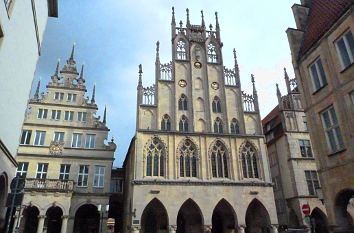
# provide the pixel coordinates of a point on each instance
(306, 209)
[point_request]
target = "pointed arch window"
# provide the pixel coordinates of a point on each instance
(218, 126)
(216, 105)
(183, 103)
(183, 124)
(219, 160)
(234, 126)
(155, 158)
(249, 161)
(166, 123)
(212, 54)
(181, 51)
(188, 159)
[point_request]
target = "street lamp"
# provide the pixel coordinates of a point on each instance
(102, 212)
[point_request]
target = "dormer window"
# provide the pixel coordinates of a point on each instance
(181, 53)
(212, 55)
(216, 105)
(182, 103)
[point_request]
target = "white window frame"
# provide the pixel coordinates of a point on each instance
(332, 129)
(90, 141)
(321, 80)
(42, 113)
(98, 179)
(69, 115)
(71, 97)
(28, 135)
(65, 173)
(41, 138)
(347, 49)
(313, 178)
(82, 116)
(22, 169)
(58, 96)
(59, 136)
(56, 114)
(307, 145)
(42, 170)
(83, 176)
(75, 142)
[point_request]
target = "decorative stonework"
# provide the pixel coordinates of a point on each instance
(56, 148)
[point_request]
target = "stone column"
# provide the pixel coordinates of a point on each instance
(273, 229)
(64, 223)
(172, 229)
(241, 229)
(40, 223)
(207, 228)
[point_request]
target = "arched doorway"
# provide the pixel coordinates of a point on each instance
(257, 218)
(154, 218)
(3, 196)
(224, 218)
(87, 219)
(31, 219)
(189, 218)
(318, 221)
(53, 219)
(343, 218)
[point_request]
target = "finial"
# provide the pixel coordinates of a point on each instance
(286, 76)
(57, 68)
(36, 94)
(211, 27)
(188, 22)
(252, 79)
(203, 23)
(93, 94)
(237, 70)
(180, 24)
(104, 115)
(278, 90)
(157, 49)
(217, 21)
(112, 139)
(173, 22)
(140, 74)
(72, 52)
(82, 72)
(254, 85)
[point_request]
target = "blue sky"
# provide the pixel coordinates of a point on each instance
(113, 37)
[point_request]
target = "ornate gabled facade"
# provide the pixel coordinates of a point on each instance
(292, 164)
(198, 161)
(64, 158)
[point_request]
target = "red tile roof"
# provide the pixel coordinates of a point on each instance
(323, 14)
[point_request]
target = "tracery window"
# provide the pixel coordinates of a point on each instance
(219, 160)
(181, 53)
(182, 103)
(216, 105)
(188, 159)
(234, 126)
(155, 158)
(212, 55)
(249, 161)
(218, 126)
(183, 124)
(166, 123)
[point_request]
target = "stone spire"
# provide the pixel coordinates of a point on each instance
(158, 51)
(203, 23)
(81, 79)
(287, 80)
(255, 95)
(36, 94)
(157, 62)
(140, 82)
(188, 22)
(104, 115)
(93, 94)
(72, 52)
(55, 76)
(173, 21)
(237, 69)
(70, 66)
(217, 26)
(253, 85)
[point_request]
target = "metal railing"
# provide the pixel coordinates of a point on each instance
(49, 184)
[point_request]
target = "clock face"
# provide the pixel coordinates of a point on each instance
(197, 65)
(215, 85)
(182, 83)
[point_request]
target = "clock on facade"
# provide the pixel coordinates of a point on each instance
(215, 85)
(182, 83)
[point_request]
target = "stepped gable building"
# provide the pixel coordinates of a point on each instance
(292, 163)
(64, 158)
(198, 161)
(18, 60)
(322, 48)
